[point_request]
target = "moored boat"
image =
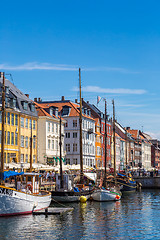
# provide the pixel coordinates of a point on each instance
(126, 182)
(105, 195)
(25, 197)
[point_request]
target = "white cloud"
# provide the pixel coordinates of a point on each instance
(39, 66)
(59, 67)
(96, 89)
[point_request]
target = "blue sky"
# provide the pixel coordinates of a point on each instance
(116, 43)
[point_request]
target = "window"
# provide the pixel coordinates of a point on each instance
(52, 144)
(26, 158)
(68, 161)
(5, 137)
(34, 124)
(74, 147)
(26, 142)
(30, 123)
(8, 116)
(12, 138)
(67, 134)
(56, 144)
(16, 120)
(26, 122)
(56, 128)
(49, 143)
(8, 138)
(68, 147)
(22, 122)
(75, 161)
(34, 143)
(16, 139)
(8, 157)
(22, 158)
(32, 108)
(74, 123)
(25, 105)
(12, 119)
(48, 127)
(74, 134)
(66, 124)
(22, 141)
(52, 128)
(34, 158)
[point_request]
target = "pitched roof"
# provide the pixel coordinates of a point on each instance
(41, 111)
(74, 108)
(133, 132)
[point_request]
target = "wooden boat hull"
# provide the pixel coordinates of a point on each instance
(70, 196)
(127, 185)
(13, 202)
(103, 195)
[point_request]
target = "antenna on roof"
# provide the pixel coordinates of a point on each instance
(10, 76)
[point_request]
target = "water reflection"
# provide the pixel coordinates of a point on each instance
(136, 216)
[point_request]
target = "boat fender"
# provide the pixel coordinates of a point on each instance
(83, 199)
(29, 187)
(117, 197)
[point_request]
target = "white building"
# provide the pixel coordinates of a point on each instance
(70, 113)
(48, 136)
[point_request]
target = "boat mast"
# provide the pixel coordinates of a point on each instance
(80, 127)
(126, 148)
(31, 148)
(105, 139)
(114, 140)
(60, 151)
(3, 125)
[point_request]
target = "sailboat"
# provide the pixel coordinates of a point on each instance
(73, 195)
(25, 197)
(102, 193)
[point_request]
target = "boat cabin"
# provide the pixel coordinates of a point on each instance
(28, 182)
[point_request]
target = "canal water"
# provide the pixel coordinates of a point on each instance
(136, 216)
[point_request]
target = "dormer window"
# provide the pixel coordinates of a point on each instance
(7, 90)
(66, 111)
(32, 108)
(51, 111)
(25, 105)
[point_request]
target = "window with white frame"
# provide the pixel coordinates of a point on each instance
(22, 141)
(34, 143)
(68, 147)
(22, 122)
(12, 138)
(74, 134)
(26, 160)
(67, 134)
(8, 138)
(26, 142)
(52, 144)
(48, 127)
(22, 158)
(34, 158)
(26, 122)
(74, 147)
(12, 119)
(34, 124)
(75, 161)
(74, 123)
(68, 161)
(56, 144)
(49, 143)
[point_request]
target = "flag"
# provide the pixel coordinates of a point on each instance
(98, 99)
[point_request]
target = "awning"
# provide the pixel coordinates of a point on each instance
(10, 173)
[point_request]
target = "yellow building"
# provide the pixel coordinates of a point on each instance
(98, 153)
(20, 127)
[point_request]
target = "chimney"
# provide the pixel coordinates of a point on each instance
(127, 128)
(27, 95)
(88, 102)
(35, 99)
(62, 99)
(39, 99)
(76, 100)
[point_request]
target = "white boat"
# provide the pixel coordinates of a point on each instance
(24, 198)
(104, 195)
